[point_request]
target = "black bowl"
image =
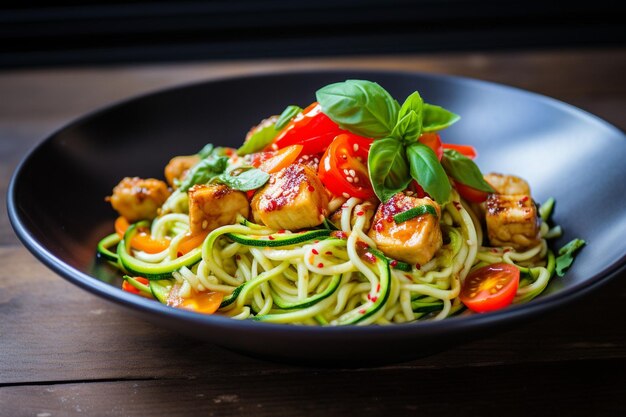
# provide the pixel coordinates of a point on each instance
(56, 197)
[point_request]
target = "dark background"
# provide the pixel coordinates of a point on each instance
(81, 33)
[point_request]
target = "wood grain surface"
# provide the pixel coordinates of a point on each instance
(66, 352)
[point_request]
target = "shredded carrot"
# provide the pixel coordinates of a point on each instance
(190, 242)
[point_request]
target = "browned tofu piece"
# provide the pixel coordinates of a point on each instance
(414, 241)
(139, 199)
(178, 167)
(512, 221)
(214, 205)
(507, 184)
(294, 198)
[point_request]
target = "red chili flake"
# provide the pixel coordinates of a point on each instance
(320, 265)
(315, 251)
(389, 219)
(378, 227)
(339, 234)
(373, 299)
(179, 254)
(393, 263)
(344, 206)
(328, 253)
(238, 257)
(524, 199)
(418, 266)
(494, 250)
(457, 205)
(507, 250)
(378, 288)
(368, 256)
(360, 213)
(316, 241)
(362, 244)
(311, 188)
(281, 231)
(362, 311)
(270, 237)
(271, 205)
(369, 297)
(409, 277)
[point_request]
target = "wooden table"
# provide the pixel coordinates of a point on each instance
(65, 352)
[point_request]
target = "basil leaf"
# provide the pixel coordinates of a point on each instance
(437, 118)
(285, 117)
(259, 136)
(566, 255)
(206, 151)
(250, 179)
(388, 168)
(428, 172)
(464, 170)
(362, 107)
(409, 125)
(203, 171)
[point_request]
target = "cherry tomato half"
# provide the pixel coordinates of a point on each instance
(312, 129)
(470, 194)
(490, 288)
(465, 150)
(433, 141)
(343, 167)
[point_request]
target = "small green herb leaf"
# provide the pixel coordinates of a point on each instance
(204, 171)
(464, 170)
(546, 209)
(388, 168)
(243, 179)
(409, 125)
(259, 136)
(285, 117)
(206, 151)
(362, 107)
(428, 172)
(566, 255)
(437, 118)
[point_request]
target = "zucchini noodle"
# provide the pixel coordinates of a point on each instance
(327, 280)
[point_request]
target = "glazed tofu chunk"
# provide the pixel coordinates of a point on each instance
(139, 199)
(214, 205)
(414, 241)
(178, 167)
(294, 198)
(507, 184)
(512, 221)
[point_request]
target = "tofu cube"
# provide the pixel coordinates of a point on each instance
(512, 221)
(507, 184)
(215, 205)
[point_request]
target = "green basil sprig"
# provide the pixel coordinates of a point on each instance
(204, 171)
(388, 168)
(259, 136)
(243, 178)
(367, 109)
(285, 117)
(566, 255)
(464, 170)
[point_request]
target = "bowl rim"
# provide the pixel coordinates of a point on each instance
(449, 325)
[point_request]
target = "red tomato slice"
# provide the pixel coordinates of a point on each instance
(433, 141)
(490, 288)
(312, 129)
(466, 150)
(343, 167)
(470, 194)
(281, 159)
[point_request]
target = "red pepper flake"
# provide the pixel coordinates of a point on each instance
(272, 205)
(494, 250)
(389, 219)
(238, 257)
(179, 254)
(320, 265)
(368, 256)
(362, 244)
(393, 263)
(369, 297)
(362, 311)
(507, 250)
(315, 251)
(374, 299)
(281, 231)
(524, 199)
(378, 288)
(316, 241)
(311, 188)
(344, 206)
(410, 278)
(360, 213)
(457, 205)
(270, 237)
(328, 253)
(418, 266)
(378, 227)
(339, 234)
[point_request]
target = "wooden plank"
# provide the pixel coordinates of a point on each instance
(58, 332)
(584, 388)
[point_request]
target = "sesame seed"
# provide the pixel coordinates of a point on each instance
(205, 223)
(356, 179)
(349, 179)
(346, 195)
(345, 171)
(352, 172)
(305, 157)
(355, 147)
